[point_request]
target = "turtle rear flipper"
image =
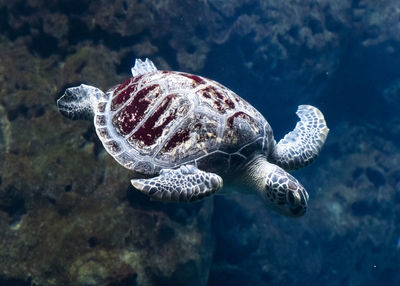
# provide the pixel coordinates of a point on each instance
(301, 146)
(143, 67)
(184, 184)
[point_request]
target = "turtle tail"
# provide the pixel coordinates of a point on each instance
(302, 145)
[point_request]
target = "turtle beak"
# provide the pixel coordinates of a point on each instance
(65, 103)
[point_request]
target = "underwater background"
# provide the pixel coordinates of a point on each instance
(68, 214)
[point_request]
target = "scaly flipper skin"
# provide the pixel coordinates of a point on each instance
(184, 184)
(280, 190)
(301, 146)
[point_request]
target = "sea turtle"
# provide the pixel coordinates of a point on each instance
(184, 135)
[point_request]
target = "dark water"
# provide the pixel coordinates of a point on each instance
(68, 214)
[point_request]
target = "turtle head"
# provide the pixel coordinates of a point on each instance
(78, 102)
(280, 191)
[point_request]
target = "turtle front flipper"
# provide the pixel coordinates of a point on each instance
(184, 184)
(301, 146)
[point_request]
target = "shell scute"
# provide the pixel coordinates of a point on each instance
(144, 167)
(216, 98)
(122, 93)
(159, 124)
(126, 119)
(180, 137)
(126, 160)
(101, 107)
(197, 80)
(104, 134)
(196, 136)
(100, 120)
(214, 161)
(113, 147)
(241, 129)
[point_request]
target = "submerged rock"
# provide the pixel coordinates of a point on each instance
(67, 213)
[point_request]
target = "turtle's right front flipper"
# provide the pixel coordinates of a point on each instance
(301, 146)
(184, 184)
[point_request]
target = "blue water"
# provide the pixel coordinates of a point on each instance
(68, 215)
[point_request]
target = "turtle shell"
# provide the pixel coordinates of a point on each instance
(164, 119)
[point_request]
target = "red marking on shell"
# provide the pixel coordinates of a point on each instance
(123, 85)
(229, 103)
(239, 114)
(206, 94)
(236, 98)
(180, 147)
(217, 93)
(179, 138)
(196, 78)
(221, 101)
(148, 132)
(124, 91)
(137, 78)
(128, 118)
(225, 98)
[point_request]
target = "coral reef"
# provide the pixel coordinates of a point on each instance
(68, 215)
(67, 212)
(291, 39)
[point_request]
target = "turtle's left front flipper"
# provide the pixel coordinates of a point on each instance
(186, 183)
(301, 146)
